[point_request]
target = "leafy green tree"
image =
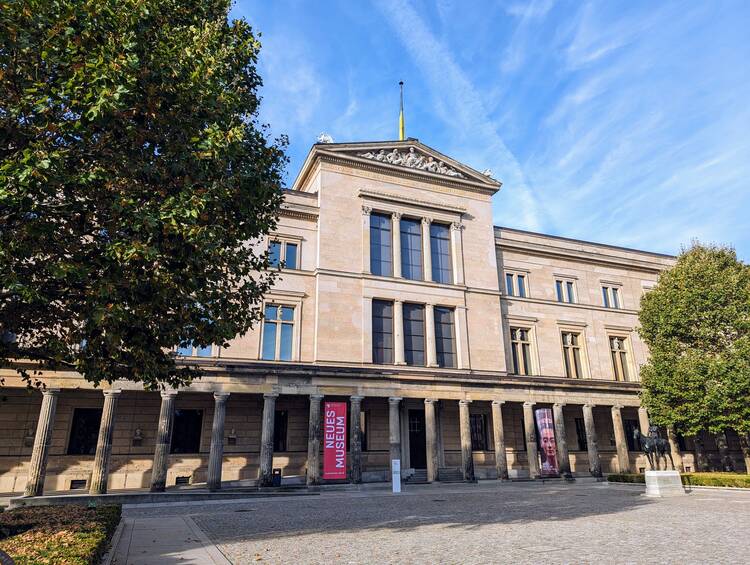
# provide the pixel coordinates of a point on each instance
(134, 182)
(696, 323)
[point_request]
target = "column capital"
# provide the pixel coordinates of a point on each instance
(643, 408)
(559, 404)
(529, 403)
(317, 397)
(396, 215)
(366, 210)
(221, 396)
(168, 393)
(431, 400)
(464, 402)
(457, 226)
(273, 395)
(498, 402)
(51, 391)
(426, 221)
(394, 400)
(356, 398)
(589, 405)
(112, 392)
(616, 407)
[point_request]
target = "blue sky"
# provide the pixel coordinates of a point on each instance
(621, 122)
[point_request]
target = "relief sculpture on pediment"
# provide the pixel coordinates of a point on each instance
(412, 159)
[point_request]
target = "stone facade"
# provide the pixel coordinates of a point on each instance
(445, 415)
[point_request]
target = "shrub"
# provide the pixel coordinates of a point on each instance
(626, 478)
(72, 535)
(692, 479)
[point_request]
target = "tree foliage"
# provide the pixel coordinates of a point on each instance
(134, 179)
(696, 323)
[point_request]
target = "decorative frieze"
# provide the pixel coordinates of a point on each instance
(412, 159)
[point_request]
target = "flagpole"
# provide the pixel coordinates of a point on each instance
(401, 124)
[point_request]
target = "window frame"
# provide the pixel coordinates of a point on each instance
(415, 306)
(194, 351)
(628, 373)
(519, 287)
(279, 323)
(284, 241)
(438, 337)
(582, 356)
(517, 346)
(565, 290)
(484, 433)
(406, 264)
(392, 304)
(449, 255)
(390, 222)
(612, 295)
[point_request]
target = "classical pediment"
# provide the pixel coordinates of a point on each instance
(408, 157)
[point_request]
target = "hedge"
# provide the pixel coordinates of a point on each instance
(692, 479)
(54, 535)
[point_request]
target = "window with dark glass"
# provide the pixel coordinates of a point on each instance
(619, 356)
(381, 241)
(84, 432)
(445, 337)
(611, 297)
(186, 431)
(572, 355)
(280, 429)
(521, 280)
(478, 424)
(414, 331)
(509, 284)
(440, 252)
(290, 256)
(278, 331)
(565, 291)
(515, 284)
(520, 350)
(411, 249)
(274, 253)
(581, 434)
(382, 331)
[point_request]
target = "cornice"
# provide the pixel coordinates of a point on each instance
(399, 199)
(574, 305)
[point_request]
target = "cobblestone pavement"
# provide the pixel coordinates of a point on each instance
(487, 523)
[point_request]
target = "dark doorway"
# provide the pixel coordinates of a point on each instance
(85, 431)
(417, 440)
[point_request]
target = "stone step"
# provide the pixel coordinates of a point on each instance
(450, 475)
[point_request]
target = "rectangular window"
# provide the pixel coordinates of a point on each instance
(280, 427)
(520, 350)
(414, 342)
(440, 247)
(581, 434)
(382, 332)
(618, 352)
(278, 333)
(565, 291)
(274, 254)
(572, 355)
(290, 258)
(411, 249)
(478, 424)
(186, 431)
(84, 432)
(611, 297)
(381, 241)
(515, 285)
(445, 337)
(195, 351)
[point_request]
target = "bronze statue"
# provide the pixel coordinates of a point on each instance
(654, 446)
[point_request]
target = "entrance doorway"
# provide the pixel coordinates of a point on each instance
(417, 440)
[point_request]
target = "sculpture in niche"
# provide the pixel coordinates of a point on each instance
(413, 160)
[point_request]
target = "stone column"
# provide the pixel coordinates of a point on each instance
(595, 465)
(430, 423)
(430, 336)
(745, 447)
(355, 438)
(398, 333)
(727, 464)
(163, 441)
(623, 458)
(426, 249)
(396, 233)
(216, 455)
(498, 431)
(266, 439)
(701, 463)
(561, 440)
(100, 472)
(467, 458)
(366, 211)
(313, 441)
(457, 252)
(394, 428)
(532, 451)
(42, 440)
(643, 422)
(674, 446)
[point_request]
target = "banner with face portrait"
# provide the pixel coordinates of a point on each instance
(545, 429)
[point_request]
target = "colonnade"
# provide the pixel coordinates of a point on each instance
(98, 483)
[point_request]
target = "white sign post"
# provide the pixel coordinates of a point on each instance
(396, 474)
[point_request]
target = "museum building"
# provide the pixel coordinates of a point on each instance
(444, 335)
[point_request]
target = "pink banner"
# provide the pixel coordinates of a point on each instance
(334, 441)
